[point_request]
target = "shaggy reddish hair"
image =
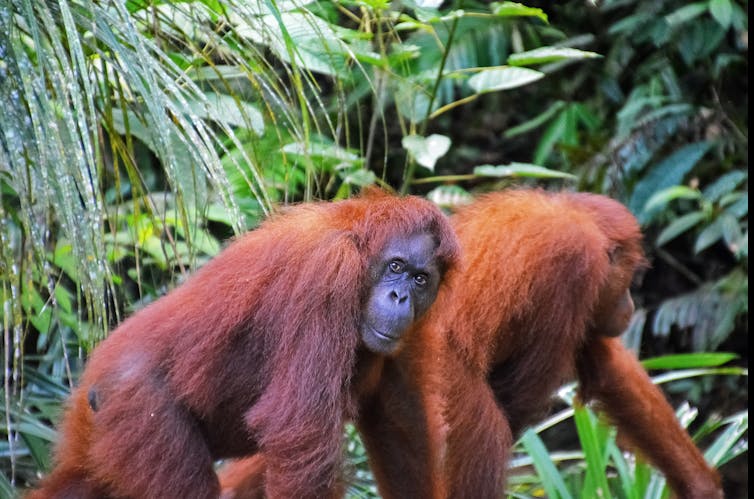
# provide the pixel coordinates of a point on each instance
(256, 351)
(542, 290)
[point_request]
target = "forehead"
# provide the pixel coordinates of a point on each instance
(418, 249)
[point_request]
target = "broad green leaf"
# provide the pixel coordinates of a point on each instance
(230, 111)
(699, 39)
(376, 4)
(321, 150)
(426, 150)
(743, 251)
(314, 44)
(503, 78)
(412, 100)
(548, 54)
(709, 236)
(686, 13)
(449, 196)
(630, 23)
(722, 11)
(732, 233)
(432, 15)
(519, 170)
(668, 172)
(740, 18)
(679, 226)
(514, 9)
(359, 177)
(428, 4)
(202, 241)
(663, 197)
(736, 204)
(724, 185)
(638, 105)
(219, 213)
(642, 144)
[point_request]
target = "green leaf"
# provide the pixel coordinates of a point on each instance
(6, 489)
(520, 170)
(688, 360)
(686, 13)
(729, 443)
(570, 132)
(426, 150)
(629, 484)
(736, 204)
(412, 100)
(39, 448)
(679, 226)
(593, 443)
(552, 134)
(359, 177)
(628, 24)
(219, 213)
(586, 117)
(663, 197)
(35, 428)
(699, 39)
(503, 78)
(448, 196)
(732, 233)
(217, 72)
(548, 54)
(668, 172)
(228, 110)
(680, 374)
(64, 258)
(722, 11)
(724, 185)
(538, 120)
(552, 481)
(428, 4)
(514, 9)
(298, 37)
(321, 149)
(709, 236)
(47, 384)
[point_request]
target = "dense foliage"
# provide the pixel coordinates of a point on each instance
(136, 136)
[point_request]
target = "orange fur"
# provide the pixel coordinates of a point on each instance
(255, 352)
(541, 293)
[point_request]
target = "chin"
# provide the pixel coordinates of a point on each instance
(379, 343)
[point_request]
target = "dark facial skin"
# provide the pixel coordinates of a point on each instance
(612, 316)
(406, 281)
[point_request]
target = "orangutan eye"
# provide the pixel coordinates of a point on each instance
(420, 279)
(396, 266)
